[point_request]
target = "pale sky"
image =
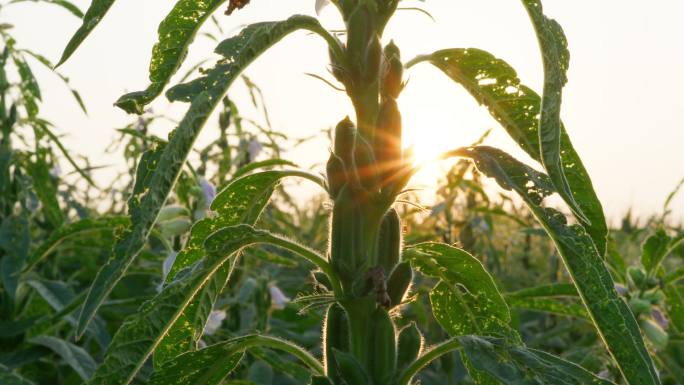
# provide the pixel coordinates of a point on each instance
(622, 106)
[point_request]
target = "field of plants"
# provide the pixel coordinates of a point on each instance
(202, 264)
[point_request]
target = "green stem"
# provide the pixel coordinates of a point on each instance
(427, 357)
(245, 342)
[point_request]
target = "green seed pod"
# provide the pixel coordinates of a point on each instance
(359, 30)
(171, 212)
(337, 176)
(320, 380)
(350, 369)
(639, 306)
(345, 138)
(654, 333)
(399, 282)
(175, 227)
(344, 237)
(365, 166)
(388, 137)
(335, 336)
(389, 241)
(392, 83)
(384, 347)
(637, 275)
(373, 62)
(410, 345)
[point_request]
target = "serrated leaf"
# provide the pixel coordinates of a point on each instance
(517, 365)
(466, 300)
(495, 84)
(73, 230)
(556, 60)
(240, 50)
(612, 318)
(75, 356)
(176, 33)
(97, 10)
(145, 203)
(242, 201)
(212, 364)
(141, 333)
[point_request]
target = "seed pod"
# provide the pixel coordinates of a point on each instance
(410, 345)
(637, 275)
(171, 212)
(392, 83)
(176, 226)
(384, 347)
(335, 336)
(389, 241)
(320, 380)
(365, 166)
(388, 136)
(373, 60)
(350, 369)
(654, 333)
(345, 138)
(639, 306)
(399, 282)
(337, 176)
(343, 236)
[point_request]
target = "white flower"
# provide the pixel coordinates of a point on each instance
(214, 321)
(55, 171)
(278, 299)
(320, 4)
(208, 190)
(168, 264)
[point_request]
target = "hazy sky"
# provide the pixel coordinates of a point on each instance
(622, 106)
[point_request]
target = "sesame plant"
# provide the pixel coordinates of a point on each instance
(365, 273)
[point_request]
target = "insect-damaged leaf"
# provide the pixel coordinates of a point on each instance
(495, 84)
(155, 181)
(140, 334)
(212, 364)
(611, 316)
(97, 10)
(516, 365)
(176, 33)
(466, 301)
(556, 59)
(242, 201)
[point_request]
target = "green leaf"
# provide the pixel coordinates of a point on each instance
(239, 51)
(550, 305)
(141, 333)
(657, 247)
(46, 190)
(176, 33)
(9, 378)
(517, 365)
(552, 290)
(495, 84)
(466, 301)
(30, 91)
(242, 201)
(75, 356)
(675, 306)
(212, 364)
(556, 59)
(158, 181)
(15, 240)
(614, 321)
(97, 10)
(74, 230)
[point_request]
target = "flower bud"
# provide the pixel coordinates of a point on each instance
(392, 83)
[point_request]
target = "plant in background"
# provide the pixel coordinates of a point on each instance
(366, 273)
